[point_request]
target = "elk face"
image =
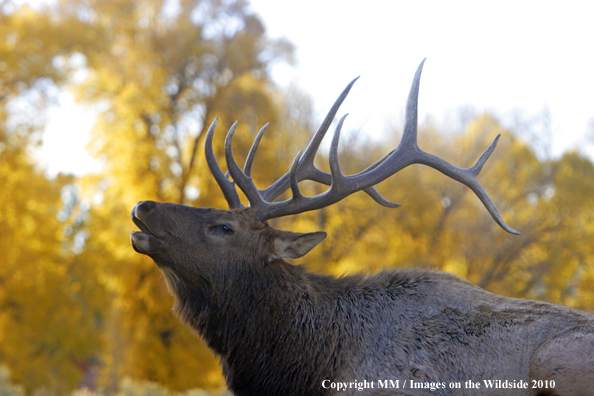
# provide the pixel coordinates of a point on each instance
(201, 241)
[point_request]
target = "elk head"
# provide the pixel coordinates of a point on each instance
(182, 239)
(193, 243)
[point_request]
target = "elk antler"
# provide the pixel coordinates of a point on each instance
(407, 153)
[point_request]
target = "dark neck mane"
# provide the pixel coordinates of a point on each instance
(256, 315)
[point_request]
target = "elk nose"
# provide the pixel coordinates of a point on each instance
(145, 206)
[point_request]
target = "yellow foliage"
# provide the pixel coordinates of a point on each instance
(78, 306)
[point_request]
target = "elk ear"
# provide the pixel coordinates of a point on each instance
(294, 245)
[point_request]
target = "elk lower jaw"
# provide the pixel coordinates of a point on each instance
(145, 243)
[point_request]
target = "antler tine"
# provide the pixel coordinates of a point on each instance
(244, 182)
(293, 179)
(409, 136)
(335, 171)
(306, 168)
(314, 144)
(227, 186)
(468, 177)
(247, 169)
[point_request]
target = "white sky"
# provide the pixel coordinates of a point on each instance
(502, 57)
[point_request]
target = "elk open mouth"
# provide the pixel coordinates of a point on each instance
(144, 241)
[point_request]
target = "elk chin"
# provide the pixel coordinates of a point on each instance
(145, 243)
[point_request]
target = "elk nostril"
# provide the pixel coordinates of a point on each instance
(145, 206)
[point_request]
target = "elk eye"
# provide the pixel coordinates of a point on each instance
(224, 229)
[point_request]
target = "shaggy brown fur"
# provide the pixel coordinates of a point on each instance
(281, 330)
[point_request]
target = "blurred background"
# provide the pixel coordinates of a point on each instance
(104, 103)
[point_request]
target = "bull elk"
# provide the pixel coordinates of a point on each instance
(281, 330)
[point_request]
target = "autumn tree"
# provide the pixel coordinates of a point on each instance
(47, 298)
(160, 74)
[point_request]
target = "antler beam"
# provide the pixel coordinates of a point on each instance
(341, 186)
